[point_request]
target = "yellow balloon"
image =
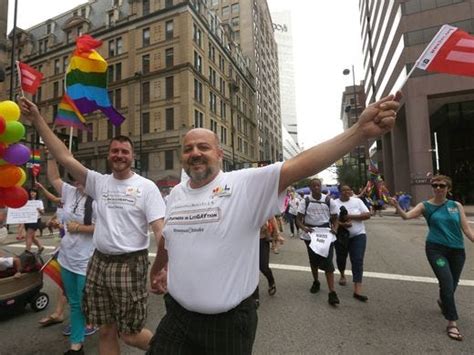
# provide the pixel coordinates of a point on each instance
(22, 178)
(9, 110)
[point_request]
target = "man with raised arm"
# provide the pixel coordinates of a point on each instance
(211, 237)
(115, 296)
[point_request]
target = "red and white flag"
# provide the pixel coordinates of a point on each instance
(451, 51)
(30, 78)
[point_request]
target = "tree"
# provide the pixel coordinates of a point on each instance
(349, 175)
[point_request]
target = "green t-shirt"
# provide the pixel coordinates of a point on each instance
(444, 224)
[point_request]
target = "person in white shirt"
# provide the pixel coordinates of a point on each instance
(293, 203)
(75, 250)
(314, 211)
(355, 246)
(211, 234)
(115, 296)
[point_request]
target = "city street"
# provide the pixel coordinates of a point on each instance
(401, 316)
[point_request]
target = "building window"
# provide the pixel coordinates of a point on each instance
(118, 71)
(90, 131)
(213, 126)
(169, 57)
(225, 11)
(197, 35)
(55, 111)
(223, 135)
(146, 37)
(235, 21)
(55, 89)
(169, 161)
(146, 7)
(169, 29)
(115, 47)
(114, 72)
(169, 87)
(239, 144)
(198, 91)
(110, 130)
(168, 3)
(169, 114)
(145, 64)
(48, 28)
(79, 31)
(145, 92)
(68, 37)
(65, 63)
(212, 76)
(197, 62)
(223, 110)
(56, 66)
(198, 119)
(213, 102)
(145, 122)
(118, 98)
(235, 9)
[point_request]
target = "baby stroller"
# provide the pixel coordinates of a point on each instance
(17, 292)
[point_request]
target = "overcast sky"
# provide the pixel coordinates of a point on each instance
(326, 38)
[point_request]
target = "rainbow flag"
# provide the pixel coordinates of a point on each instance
(35, 156)
(86, 80)
(53, 270)
(69, 115)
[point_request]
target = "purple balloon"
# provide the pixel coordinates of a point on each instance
(17, 154)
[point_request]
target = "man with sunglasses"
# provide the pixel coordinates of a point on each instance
(444, 248)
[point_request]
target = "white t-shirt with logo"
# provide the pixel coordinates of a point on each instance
(354, 206)
(125, 208)
(316, 214)
(212, 237)
(76, 248)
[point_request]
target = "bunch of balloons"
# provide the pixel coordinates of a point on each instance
(12, 154)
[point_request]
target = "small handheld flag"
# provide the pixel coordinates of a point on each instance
(52, 268)
(69, 115)
(30, 78)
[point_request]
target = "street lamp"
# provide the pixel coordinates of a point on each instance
(138, 75)
(233, 88)
(347, 72)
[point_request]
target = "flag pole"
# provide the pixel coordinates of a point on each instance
(70, 138)
(19, 78)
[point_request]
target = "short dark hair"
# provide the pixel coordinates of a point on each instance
(121, 139)
(33, 190)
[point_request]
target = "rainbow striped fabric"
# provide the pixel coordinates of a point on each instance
(86, 80)
(53, 270)
(69, 115)
(35, 156)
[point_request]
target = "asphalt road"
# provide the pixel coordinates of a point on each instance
(401, 316)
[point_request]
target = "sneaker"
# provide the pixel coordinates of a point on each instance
(332, 298)
(77, 352)
(67, 330)
(315, 287)
(89, 330)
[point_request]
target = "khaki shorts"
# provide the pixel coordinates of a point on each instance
(116, 292)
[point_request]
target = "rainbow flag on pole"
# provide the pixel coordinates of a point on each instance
(69, 115)
(53, 270)
(86, 80)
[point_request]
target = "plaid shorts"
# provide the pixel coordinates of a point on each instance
(116, 291)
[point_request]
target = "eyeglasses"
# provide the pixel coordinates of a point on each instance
(436, 186)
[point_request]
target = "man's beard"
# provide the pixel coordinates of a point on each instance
(198, 176)
(124, 165)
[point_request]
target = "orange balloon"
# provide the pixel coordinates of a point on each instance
(10, 175)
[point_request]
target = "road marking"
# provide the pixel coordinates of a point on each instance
(374, 275)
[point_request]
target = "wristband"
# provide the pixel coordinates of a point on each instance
(77, 228)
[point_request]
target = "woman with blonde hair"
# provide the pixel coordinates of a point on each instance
(444, 248)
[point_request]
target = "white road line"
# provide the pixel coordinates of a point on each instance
(375, 275)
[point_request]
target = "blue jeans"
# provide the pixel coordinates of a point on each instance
(356, 252)
(447, 264)
(74, 287)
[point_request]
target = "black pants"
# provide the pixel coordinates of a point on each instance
(447, 264)
(265, 261)
(182, 332)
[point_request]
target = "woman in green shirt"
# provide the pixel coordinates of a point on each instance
(444, 244)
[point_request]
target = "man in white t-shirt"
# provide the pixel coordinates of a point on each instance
(314, 211)
(211, 237)
(115, 295)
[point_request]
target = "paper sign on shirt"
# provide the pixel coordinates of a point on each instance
(26, 214)
(321, 239)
